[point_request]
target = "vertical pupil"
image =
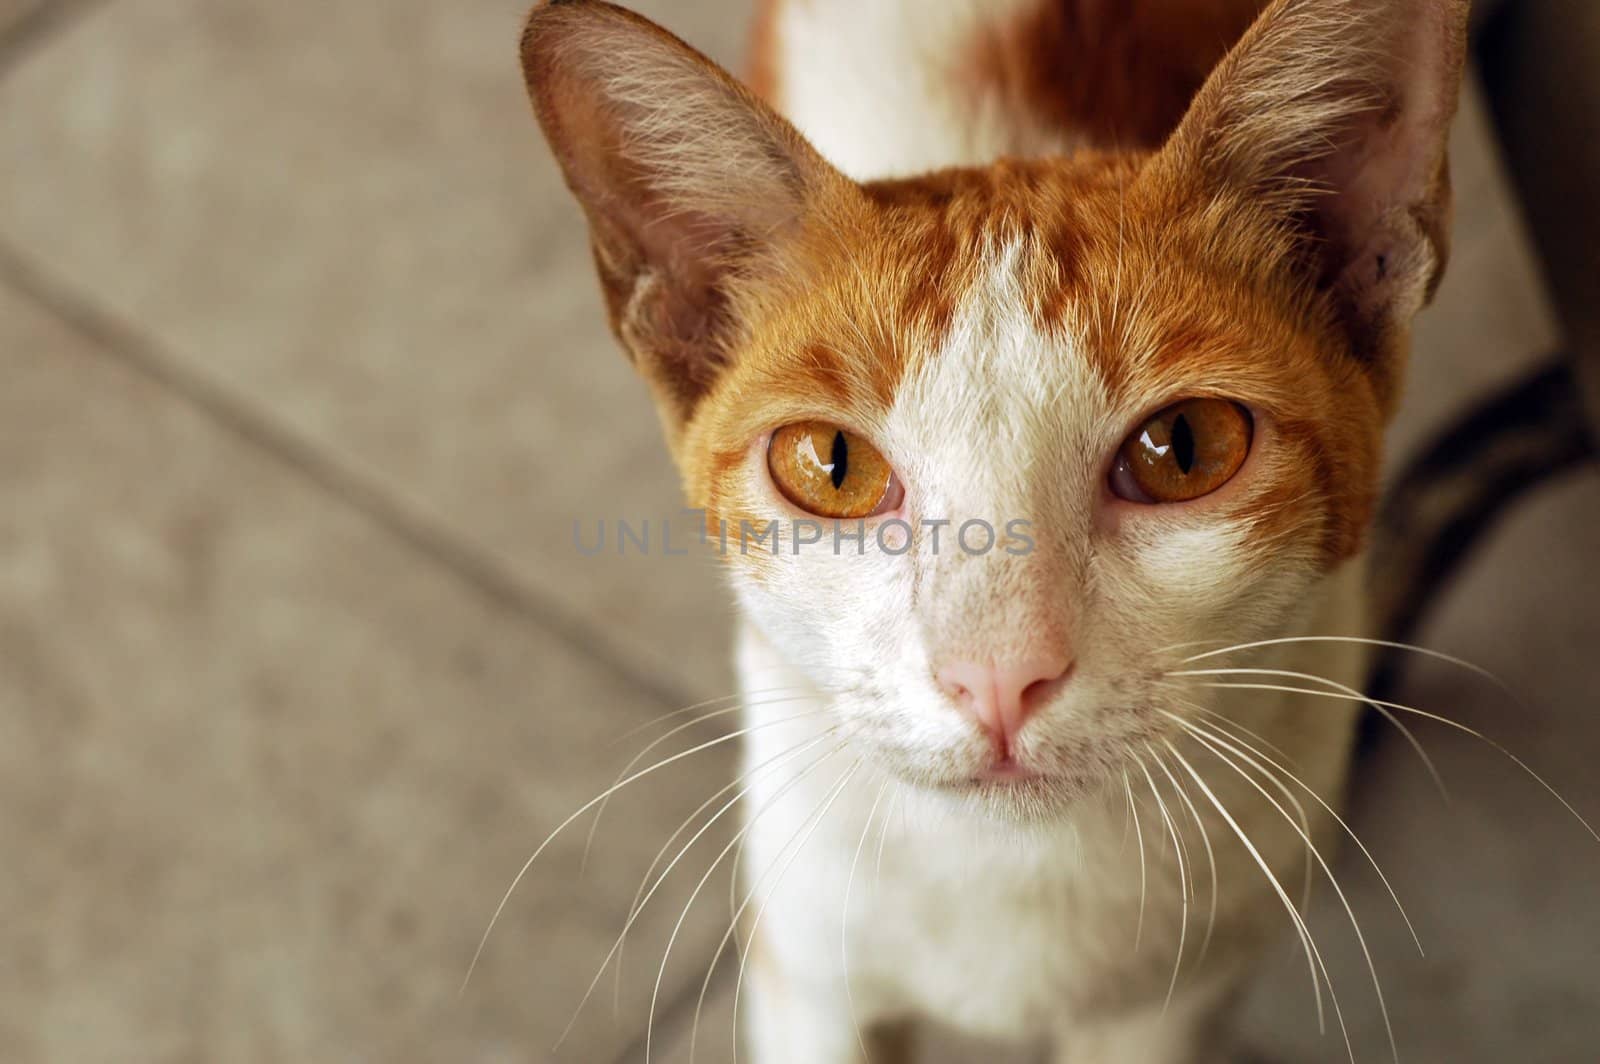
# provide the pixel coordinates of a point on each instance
(841, 459)
(1183, 444)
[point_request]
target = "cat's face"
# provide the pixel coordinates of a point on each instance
(1160, 380)
(999, 367)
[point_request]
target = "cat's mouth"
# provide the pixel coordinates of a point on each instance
(1007, 770)
(1034, 777)
(1017, 783)
(1019, 794)
(1010, 779)
(1016, 791)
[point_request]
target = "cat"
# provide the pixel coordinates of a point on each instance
(1116, 296)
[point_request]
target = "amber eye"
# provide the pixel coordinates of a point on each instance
(1188, 450)
(830, 471)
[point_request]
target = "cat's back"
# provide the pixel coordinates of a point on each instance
(896, 87)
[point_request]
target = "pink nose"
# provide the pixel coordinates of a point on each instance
(1002, 697)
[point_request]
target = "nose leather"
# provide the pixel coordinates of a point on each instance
(1002, 697)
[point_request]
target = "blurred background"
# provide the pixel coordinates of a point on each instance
(303, 383)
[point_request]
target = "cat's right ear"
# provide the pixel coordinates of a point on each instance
(689, 182)
(1320, 143)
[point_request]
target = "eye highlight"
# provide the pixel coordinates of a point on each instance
(1186, 451)
(830, 471)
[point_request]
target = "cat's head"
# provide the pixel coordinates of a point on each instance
(1137, 399)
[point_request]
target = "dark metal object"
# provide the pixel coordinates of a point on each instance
(1451, 496)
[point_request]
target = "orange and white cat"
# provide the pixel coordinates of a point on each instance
(1116, 295)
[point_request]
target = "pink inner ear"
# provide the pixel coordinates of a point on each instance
(1377, 169)
(1384, 215)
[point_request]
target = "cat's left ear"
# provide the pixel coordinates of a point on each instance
(1327, 127)
(691, 185)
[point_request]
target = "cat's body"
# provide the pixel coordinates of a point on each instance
(1025, 932)
(1158, 339)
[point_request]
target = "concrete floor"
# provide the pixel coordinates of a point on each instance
(304, 382)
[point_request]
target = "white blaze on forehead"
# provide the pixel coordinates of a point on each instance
(1005, 419)
(875, 85)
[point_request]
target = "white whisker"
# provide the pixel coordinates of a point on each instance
(883, 836)
(590, 804)
(1382, 708)
(730, 785)
(1183, 881)
(738, 983)
(1355, 924)
(655, 993)
(651, 723)
(1242, 733)
(1300, 812)
(1475, 733)
(1308, 944)
(643, 899)
(844, 919)
(1138, 934)
(733, 922)
(1246, 753)
(1211, 857)
(1478, 670)
(594, 826)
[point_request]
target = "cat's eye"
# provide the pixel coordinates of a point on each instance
(830, 471)
(1188, 450)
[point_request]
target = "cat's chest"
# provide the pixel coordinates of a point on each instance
(1002, 934)
(954, 937)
